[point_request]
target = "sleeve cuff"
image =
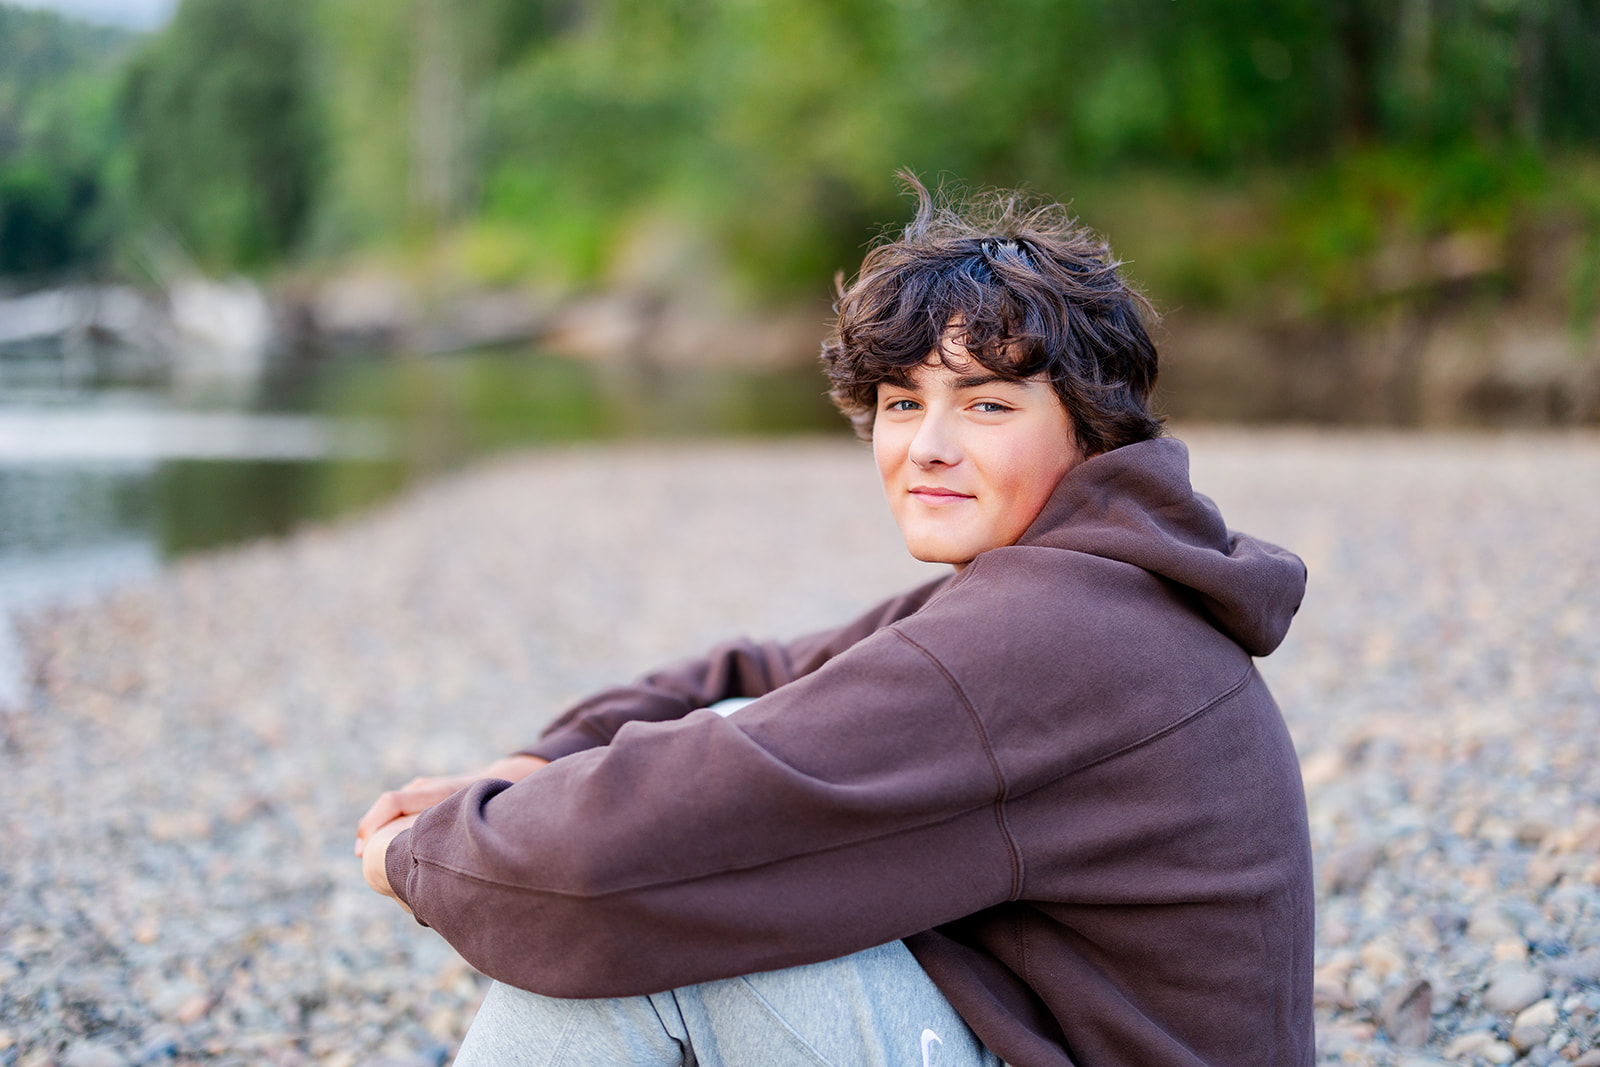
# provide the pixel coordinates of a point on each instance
(397, 867)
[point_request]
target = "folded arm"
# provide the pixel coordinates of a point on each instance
(856, 806)
(735, 669)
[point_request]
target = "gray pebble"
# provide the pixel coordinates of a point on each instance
(1348, 868)
(1513, 989)
(1407, 1013)
(93, 1054)
(157, 1049)
(1584, 967)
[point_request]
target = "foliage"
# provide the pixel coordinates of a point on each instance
(224, 130)
(56, 137)
(774, 125)
(1286, 143)
(39, 52)
(1343, 238)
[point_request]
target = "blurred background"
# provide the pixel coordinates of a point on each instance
(268, 261)
(265, 260)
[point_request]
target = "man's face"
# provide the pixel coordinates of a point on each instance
(968, 459)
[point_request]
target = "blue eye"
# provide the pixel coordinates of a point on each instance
(901, 405)
(990, 407)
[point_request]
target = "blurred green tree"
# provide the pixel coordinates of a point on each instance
(224, 129)
(775, 123)
(57, 136)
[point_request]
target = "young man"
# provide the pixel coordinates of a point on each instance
(1042, 810)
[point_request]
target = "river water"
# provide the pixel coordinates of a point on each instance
(109, 467)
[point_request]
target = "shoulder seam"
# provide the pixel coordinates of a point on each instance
(1175, 724)
(1001, 789)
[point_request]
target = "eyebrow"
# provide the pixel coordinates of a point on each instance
(973, 381)
(902, 380)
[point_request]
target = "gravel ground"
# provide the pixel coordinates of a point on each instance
(178, 794)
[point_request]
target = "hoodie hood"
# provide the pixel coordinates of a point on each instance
(1134, 504)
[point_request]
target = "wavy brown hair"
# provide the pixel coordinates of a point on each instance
(1025, 290)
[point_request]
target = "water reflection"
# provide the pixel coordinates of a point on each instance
(47, 508)
(92, 453)
(119, 435)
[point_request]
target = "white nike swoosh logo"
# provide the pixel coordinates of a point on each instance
(928, 1038)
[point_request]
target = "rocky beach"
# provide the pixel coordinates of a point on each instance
(180, 780)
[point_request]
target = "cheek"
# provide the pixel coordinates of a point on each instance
(1031, 474)
(888, 450)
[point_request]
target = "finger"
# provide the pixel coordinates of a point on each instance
(385, 810)
(407, 801)
(387, 807)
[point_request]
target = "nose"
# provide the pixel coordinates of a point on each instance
(935, 443)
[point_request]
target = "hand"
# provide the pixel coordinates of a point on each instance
(372, 864)
(419, 794)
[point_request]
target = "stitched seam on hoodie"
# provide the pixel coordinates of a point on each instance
(593, 729)
(988, 751)
(1156, 735)
(634, 887)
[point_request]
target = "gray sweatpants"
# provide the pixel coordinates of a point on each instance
(876, 1008)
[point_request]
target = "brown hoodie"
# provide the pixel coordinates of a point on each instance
(1057, 776)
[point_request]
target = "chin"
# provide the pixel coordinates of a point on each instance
(939, 554)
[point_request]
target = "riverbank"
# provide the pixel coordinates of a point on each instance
(178, 792)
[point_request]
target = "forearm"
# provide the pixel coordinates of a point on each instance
(739, 668)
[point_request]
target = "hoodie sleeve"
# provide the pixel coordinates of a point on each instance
(739, 668)
(858, 805)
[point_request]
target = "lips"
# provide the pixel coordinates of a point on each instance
(933, 494)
